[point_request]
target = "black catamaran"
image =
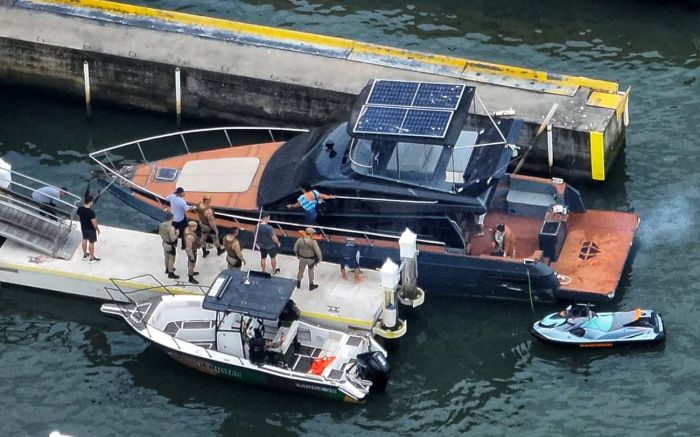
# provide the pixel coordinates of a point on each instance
(410, 156)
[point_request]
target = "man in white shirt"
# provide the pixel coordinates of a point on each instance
(179, 208)
(46, 196)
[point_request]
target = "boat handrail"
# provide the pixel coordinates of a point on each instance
(236, 218)
(181, 134)
(43, 184)
(365, 234)
(112, 171)
(18, 195)
(29, 208)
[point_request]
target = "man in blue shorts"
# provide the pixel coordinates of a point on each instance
(350, 257)
(268, 243)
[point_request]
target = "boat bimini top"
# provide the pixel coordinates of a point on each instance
(253, 294)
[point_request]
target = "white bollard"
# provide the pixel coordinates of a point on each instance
(389, 280)
(86, 79)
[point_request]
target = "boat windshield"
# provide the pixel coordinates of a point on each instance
(426, 165)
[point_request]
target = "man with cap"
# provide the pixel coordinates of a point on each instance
(191, 246)
(179, 208)
(309, 254)
(234, 254)
(208, 226)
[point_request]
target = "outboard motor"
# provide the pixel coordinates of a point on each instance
(373, 366)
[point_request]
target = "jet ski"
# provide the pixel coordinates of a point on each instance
(579, 326)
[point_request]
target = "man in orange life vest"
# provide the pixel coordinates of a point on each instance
(309, 201)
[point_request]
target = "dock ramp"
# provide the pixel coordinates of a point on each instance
(47, 226)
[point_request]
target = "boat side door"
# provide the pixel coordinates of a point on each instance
(229, 338)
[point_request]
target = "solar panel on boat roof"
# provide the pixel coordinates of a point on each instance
(381, 120)
(392, 92)
(426, 123)
(422, 109)
(415, 94)
(404, 121)
(438, 95)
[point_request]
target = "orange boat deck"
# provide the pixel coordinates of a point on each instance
(595, 250)
(144, 175)
(593, 255)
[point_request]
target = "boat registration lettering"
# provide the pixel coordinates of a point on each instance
(207, 367)
(314, 387)
(596, 345)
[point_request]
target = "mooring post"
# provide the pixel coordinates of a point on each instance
(409, 272)
(86, 78)
(178, 96)
(550, 147)
(389, 274)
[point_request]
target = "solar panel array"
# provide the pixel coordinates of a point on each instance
(420, 109)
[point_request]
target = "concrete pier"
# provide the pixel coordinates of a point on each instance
(254, 74)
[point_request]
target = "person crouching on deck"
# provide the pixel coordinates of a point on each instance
(309, 201)
(505, 240)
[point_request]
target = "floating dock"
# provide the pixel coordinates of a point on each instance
(198, 66)
(137, 259)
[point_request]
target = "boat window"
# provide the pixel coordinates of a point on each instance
(461, 153)
(427, 165)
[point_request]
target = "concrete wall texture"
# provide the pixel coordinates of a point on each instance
(294, 81)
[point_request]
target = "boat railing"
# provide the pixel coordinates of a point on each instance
(128, 296)
(18, 193)
(185, 139)
(323, 230)
(111, 170)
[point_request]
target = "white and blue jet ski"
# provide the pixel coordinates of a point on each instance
(578, 326)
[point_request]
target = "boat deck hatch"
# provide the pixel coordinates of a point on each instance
(166, 174)
(222, 175)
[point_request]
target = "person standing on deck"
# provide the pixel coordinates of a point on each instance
(168, 234)
(191, 246)
(208, 226)
(309, 201)
(350, 257)
(234, 254)
(268, 243)
(309, 254)
(89, 229)
(179, 208)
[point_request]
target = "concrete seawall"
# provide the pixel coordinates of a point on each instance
(253, 74)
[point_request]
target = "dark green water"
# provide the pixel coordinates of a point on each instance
(466, 366)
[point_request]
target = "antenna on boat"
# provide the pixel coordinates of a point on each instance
(246, 281)
(539, 131)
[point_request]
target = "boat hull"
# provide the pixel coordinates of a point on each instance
(251, 376)
(438, 272)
